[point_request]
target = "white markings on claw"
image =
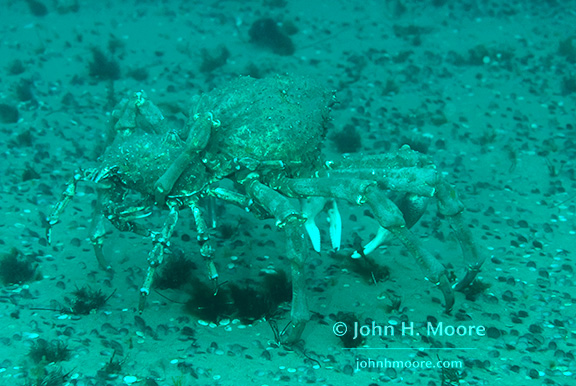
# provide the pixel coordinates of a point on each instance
(335, 221)
(310, 208)
(314, 233)
(381, 237)
(356, 255)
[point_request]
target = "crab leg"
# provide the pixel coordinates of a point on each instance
(296, 252)
(275, 203)
(199, 128)
(97, 233)
(229, 196)
(98, 230)
(391, 218)
(450, 206)
(136, 111)
(409, 179)
(412, 207)
(288, 217)
(67, 196)
(404, 157)
(206, 243)
(123, 219)
(386, 212)
(160, 240)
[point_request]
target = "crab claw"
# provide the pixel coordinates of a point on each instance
(313, 233)
(381, 237)
(335, 221)
(310, 208)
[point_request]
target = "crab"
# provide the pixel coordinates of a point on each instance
(265, 136)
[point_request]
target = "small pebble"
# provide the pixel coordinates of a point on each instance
(348, 370)
(130, 379)
(535, 329)
(493, 332)
(494, 354)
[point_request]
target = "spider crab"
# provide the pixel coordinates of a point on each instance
(265, 136)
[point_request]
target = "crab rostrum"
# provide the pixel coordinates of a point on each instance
(264, 135)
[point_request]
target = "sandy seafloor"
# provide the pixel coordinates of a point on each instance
(482, 86)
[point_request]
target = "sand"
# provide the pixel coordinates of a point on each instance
(485, 88)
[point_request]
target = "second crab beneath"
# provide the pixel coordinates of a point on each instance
(265, 136)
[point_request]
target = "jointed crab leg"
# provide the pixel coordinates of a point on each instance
(409, 179)
(139, 112)
(275, 203)
(123, 218)
(412, 207)
(206, 243)
(297, 253)
(160, 240)
(390, 217)
(230, 196)
(386, 212)
(450, 206)
(67, 196)
(289, 218)
(97, 228)
(199, 128)
(97, 233)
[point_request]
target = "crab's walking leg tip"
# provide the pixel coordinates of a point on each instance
(444, 286)
(144, 292)
(294, 335)
(471, 273)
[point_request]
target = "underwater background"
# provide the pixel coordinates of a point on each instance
(486, 88)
